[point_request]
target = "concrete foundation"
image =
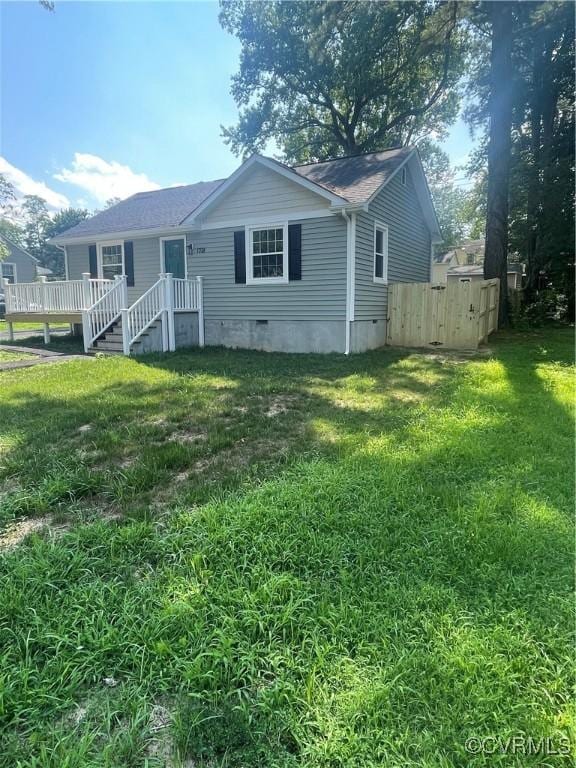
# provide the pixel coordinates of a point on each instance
(278, 335)
(151, 341)
(367, 334)
(186, 329)
(185, 333)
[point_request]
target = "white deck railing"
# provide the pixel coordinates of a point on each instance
(105, 311)
(58, 296)
(103, 302)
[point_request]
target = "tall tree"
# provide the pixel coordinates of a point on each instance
(542, 160)
(7, 196)
(34, 213)
(323, 79)
(499, 147)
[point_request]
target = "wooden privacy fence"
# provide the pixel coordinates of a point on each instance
(454, 315)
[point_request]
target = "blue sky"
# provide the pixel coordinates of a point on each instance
(102, 99)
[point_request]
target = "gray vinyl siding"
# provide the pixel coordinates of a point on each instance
(25, 265)
(78, 261)
(320, 294)
(409, 257)
(263, 193)
(146, 264)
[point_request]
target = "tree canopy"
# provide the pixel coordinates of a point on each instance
(28, 223)
(323, 79)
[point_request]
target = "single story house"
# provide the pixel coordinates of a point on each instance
(294, 259)
(19, 266)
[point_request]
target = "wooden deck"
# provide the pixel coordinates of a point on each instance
(44, 317)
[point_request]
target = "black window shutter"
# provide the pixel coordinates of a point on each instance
(93, 260)
(295, 252)
(240, 256)
(129, 262)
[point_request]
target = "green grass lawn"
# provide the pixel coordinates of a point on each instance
(227, 558)
(10, 356)
(29, 327)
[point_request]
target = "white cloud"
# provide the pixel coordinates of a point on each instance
(103, 179)
(25, 185)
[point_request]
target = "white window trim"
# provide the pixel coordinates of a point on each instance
(378, 225)
(250, 279)
(105, 244)
(404, 177)
(169, 239)
(11, 264)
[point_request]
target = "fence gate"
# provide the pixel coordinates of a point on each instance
(453, 315)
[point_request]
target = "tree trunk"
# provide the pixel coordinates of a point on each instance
(534, 184)
(499, 146)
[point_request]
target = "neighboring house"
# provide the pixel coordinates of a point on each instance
(441, 265)
(19, 266)
(466, 262)
(515, 273)
(470, 252)
(291, 259)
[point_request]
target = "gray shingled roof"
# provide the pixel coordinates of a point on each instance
(159, 208)
(356, 178)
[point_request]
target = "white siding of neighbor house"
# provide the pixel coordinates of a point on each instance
(409, 256)
(320, 294)
(263, 192)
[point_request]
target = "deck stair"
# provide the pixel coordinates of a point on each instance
(111, 342)
(110, 323)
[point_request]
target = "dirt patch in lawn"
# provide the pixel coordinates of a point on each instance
(15, 533)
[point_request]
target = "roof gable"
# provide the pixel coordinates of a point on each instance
(241, 173)
(14, 249)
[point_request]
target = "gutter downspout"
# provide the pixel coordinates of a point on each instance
(350, 273)
(65, 252)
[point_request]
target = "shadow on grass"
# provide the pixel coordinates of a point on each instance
(401, 584)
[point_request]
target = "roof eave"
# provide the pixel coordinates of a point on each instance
(98, 237)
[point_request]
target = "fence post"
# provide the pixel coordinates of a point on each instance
(86, 289)
(46, 333)
(169, 304)
(86, 329)
(125, 331)
(42, 281)
(200, 311)
(124, 290)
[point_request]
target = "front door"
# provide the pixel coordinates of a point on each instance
(174, 257)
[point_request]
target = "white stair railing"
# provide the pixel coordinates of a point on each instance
(145, 310)
(105, 310)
